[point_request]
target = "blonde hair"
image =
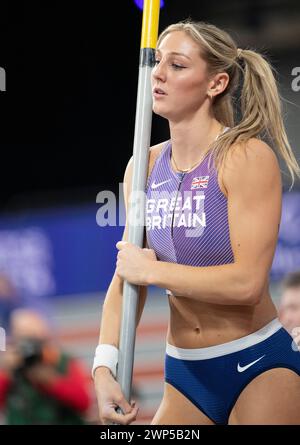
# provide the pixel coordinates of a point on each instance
(261, 106)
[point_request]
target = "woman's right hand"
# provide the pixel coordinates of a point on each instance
(110, 397)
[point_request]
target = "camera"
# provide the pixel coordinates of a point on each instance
(31, 352)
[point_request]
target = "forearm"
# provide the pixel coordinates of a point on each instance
(112, 311)
(224, 284)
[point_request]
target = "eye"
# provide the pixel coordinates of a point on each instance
(174, 65)
(177, 67)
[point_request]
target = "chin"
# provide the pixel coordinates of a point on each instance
(159, 111)
(163, 112)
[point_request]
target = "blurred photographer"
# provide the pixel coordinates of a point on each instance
(289, 308)
(9, 300)
(39, 383)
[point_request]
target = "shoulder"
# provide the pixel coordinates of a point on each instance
(250, 163)
(154, 152)
(253, 151)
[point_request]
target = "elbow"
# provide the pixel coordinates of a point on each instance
(253, 292)
(249, 285)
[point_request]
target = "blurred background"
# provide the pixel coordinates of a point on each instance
(66, 134)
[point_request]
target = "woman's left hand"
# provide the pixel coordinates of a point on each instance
(134, 264)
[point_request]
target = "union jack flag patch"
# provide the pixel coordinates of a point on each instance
(200, 182)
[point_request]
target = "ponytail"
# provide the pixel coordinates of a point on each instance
(261, 108)
(260, 102)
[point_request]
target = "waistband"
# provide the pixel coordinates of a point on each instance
(225, 348)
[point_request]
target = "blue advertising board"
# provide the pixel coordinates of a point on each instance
(65, 252)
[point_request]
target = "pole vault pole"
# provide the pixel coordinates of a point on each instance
(141, 144)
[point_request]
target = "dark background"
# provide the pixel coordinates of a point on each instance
(67, 117)
(66, 133)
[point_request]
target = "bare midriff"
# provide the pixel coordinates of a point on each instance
(195, 324)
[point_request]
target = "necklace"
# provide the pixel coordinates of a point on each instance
(186, 170)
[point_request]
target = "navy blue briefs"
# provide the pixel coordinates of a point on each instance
(212, 378)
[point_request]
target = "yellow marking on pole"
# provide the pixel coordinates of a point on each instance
(150, 23)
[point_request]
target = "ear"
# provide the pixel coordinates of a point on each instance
(217, 84)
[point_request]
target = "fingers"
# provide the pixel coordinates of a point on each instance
(297, 340)
(150, 253)
(296, 331)
(122, 419)
(125, 419)
(110, 396)
(124, 405)
(121, 244)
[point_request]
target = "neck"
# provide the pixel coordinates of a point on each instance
(191, 138)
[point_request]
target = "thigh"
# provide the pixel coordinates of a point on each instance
(271, 398)
(176, 409)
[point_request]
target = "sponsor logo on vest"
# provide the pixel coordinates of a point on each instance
(154, 186)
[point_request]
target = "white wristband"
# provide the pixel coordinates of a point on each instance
(106, 355)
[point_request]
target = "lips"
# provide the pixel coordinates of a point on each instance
(158, 91)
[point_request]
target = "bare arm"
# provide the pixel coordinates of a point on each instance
(112, 306)
(108, 390)
(253, 182)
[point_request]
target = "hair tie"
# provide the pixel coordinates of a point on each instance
(239, 53)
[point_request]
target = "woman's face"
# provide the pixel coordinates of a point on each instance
(181, 73)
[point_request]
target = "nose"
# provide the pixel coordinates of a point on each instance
(158, 72)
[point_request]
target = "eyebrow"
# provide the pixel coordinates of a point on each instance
(174, 53)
